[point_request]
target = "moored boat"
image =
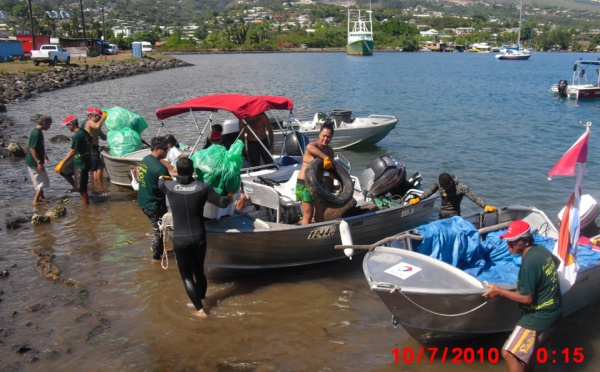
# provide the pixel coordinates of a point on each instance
(360, 33)
(515, 53)
(435, 291)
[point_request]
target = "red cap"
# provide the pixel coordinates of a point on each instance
(71, 119)
(96, 111)
(215, 136)
(516, 230)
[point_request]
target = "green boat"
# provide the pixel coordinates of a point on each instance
(360, 33)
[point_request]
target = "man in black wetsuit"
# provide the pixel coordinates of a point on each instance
(187, 198)
(451, 192)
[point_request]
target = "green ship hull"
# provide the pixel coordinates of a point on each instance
(360, 48)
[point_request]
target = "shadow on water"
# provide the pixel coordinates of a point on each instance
(241, 285)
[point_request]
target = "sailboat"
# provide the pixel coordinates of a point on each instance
(515, 53)
(360, 33)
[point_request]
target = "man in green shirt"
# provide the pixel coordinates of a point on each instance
(80, 152)
(150, 199)
(538, 295)
(36, 158)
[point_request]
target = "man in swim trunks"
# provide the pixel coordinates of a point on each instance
(261, 126)
(317, 149)
(538, 295)
(80, 152)
(187, 198)
(94, 127)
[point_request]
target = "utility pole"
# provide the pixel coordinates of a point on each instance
(83, 22)
(33, 47)
(103, 30)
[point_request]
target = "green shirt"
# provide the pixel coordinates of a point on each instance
(149, 195)
(538, 278)
(36, 141)
(81, 143)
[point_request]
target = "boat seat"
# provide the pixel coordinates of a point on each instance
(287, 191)
(281, 198)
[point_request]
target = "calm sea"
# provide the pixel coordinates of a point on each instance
(493, 123)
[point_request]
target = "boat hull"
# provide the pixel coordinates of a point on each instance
(118, 168)
(360, 48)
(238, 245)
(513, 57)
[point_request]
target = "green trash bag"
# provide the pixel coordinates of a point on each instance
(124, 141)
(220, 167)
(119, 118)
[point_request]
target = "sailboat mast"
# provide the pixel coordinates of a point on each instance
(520, 20)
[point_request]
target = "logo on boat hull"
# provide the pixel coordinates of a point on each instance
(323, 232)
(403, 270)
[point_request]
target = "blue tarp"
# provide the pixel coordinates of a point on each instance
(457, 242)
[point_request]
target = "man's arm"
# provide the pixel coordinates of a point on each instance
(471, 195)
(495, 291)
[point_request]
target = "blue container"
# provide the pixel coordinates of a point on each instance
(136, 49)
(10, 48)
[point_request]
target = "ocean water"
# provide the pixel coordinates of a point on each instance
(493, 123)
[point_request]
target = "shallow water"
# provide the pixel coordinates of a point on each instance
(491, 122)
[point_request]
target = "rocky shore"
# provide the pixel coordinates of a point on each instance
(23, 86)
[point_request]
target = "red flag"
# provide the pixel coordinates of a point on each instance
(576, 154)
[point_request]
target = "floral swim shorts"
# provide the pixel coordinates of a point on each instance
(302, 193)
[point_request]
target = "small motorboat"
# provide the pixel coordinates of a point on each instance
(432, 278)
(585, 83)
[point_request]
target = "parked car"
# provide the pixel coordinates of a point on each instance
(51, 54)
(146, 46)
(110, 49)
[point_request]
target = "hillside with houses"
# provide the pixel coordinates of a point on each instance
(253, 25)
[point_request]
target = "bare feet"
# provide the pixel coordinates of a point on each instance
(38, 203)
(201, 314)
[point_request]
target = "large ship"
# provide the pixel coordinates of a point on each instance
(360, 33)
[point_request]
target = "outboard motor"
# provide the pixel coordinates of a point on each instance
(563, 85)
(381, 175)
(295, 143)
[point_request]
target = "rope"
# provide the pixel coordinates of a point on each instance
(436, 313)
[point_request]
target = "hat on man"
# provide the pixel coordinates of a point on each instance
(516, 229)
(94, 111)
(71, 119)
(215, 136)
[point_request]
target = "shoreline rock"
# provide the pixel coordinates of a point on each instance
(23, 86)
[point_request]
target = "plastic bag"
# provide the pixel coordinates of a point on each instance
(119, 118)
(124, 141)
(219, 167)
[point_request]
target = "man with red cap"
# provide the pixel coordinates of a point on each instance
(538, 295)
(94, 127)
(80, 151)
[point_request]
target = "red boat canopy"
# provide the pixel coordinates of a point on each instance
(242, 106)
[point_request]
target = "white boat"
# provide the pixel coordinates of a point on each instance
(360, 33)
(585, 84)
(436, 295)
(515, 53)
(349, 132)
(480, 47)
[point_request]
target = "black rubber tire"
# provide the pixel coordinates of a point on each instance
(36, 63)
(54, 61)
(68, 60)
(318, 190)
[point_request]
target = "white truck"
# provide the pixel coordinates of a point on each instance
(51, 54)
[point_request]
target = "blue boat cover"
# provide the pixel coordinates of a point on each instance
(457, 242)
